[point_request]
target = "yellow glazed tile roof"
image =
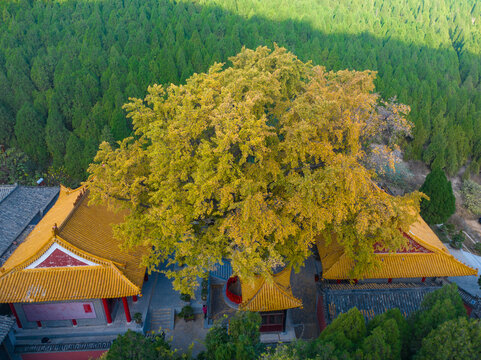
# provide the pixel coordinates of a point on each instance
(436, 262)
(83, 231)
(260, 295)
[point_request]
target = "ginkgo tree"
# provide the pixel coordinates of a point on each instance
(252, 162)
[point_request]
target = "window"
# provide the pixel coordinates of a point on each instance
(272, 321)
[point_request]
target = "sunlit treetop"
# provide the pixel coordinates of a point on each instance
(251, 162)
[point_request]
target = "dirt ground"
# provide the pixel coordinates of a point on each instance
(462, 218)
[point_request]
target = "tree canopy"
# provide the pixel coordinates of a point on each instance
(135, 346)
(437, 307)
(455, 339)
(251, 163)
(441, 203)
(237, 338)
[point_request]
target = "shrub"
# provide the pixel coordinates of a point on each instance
(457, 240)
(137, 317)
(472, 196)
(185, 297)
(187, 312)
(477, 247)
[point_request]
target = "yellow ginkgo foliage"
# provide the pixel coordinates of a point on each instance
(251, 162)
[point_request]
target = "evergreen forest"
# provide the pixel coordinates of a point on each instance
(68, 66)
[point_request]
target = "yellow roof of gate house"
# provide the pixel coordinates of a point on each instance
(434, 261)
(84, 231)
(261, 295)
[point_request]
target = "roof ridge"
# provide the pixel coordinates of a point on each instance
(86, 254)
(28, 260)
(80, 198)
(292, 297)
(63, 268)
(136, 288)
(57, 239)
(14, 186)
(424, 243)
(257, 292)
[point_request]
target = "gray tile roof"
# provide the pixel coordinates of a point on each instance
(6, 323)
(5, 190)
(374, 301)
(20, 207)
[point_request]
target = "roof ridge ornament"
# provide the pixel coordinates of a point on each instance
(55, 229)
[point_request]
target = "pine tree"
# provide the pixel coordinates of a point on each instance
(30, 134)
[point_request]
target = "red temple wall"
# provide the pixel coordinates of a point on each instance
(59, 311)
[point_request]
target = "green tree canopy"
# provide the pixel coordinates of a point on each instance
(241, 341)
(345, 333)
(458, 339)
(442, 203)
(30, 132)
(13, 167)
(135, 346)
(251, 163)
(437, 307)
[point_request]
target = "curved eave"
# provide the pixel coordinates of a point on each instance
(65, 283)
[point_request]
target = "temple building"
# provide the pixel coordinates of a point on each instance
(70, 272)
(272, 298)
(401, 279)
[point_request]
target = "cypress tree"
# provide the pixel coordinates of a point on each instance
(441, 203)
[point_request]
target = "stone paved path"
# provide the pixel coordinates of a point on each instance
(187, 333)
(305, 288)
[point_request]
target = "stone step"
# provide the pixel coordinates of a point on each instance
(162, 318)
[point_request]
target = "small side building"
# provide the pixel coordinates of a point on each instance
(272, 299)
(400, 280)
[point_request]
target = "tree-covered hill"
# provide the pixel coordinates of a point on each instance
(67, 67)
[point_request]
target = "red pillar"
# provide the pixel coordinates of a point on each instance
(74, 322)
(39, 324)
(146, 277)
(107, 311)
(389, 280)
(126, 309)
(14, 312)
(423, 279)
(134, 298)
